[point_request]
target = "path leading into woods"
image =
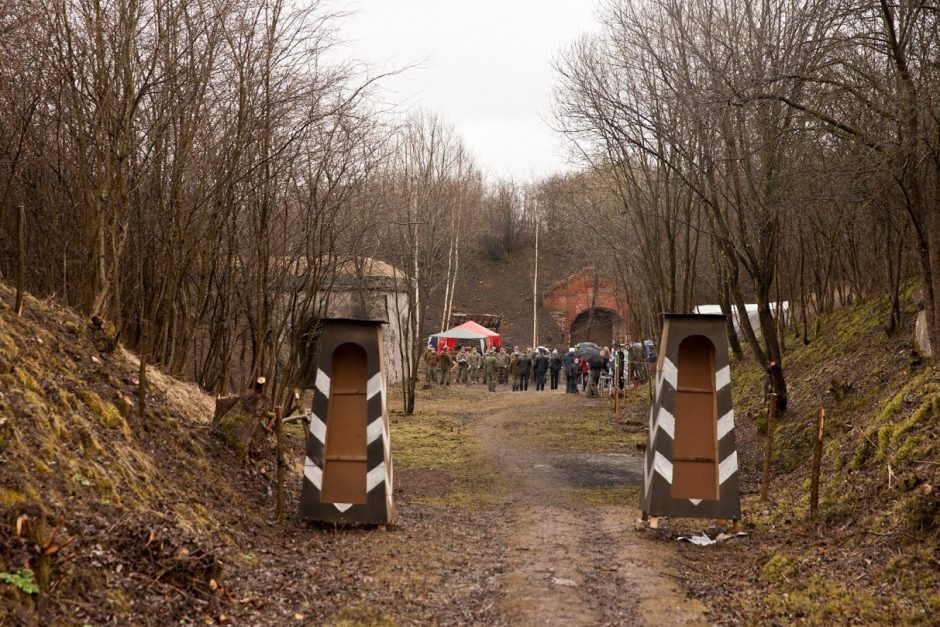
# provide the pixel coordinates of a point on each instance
(514, 509)
(572, 562)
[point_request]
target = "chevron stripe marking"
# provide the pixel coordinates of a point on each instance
(313, 473)
(725, 424)
(342, 507)
(322, 383)
(375, 477)
(695, 501)
(374, 386)
(727, 467)
(663, 466)
(317, 428)
(670, 373)
(375, 430)
(667, 422)
(723, 378)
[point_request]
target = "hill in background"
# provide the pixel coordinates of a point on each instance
(504, 286)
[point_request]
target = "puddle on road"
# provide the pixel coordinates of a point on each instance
(597, 470)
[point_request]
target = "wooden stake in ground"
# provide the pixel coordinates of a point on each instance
(617, 368)
(769, 448)
(20, 258)
(281, 464)
(817, 461)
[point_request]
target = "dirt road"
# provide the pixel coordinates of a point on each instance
(569, 562)
(514, 508)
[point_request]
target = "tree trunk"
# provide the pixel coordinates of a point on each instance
(20, 258)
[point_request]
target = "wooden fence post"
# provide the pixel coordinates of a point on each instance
(617, 368)
(817, 461)
(281, 463)
(769, 446)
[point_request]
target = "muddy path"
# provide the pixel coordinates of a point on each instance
(569, 562)
(513, 509)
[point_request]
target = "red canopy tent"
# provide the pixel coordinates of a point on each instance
(473, 327)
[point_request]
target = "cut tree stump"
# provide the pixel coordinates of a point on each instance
(240, 422)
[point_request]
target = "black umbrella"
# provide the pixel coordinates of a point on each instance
(586, 350)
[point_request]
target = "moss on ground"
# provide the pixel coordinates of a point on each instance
(356, 615)
(109, 415)
(429, 441)
(868, 555)
(591, 431)
(599, 497)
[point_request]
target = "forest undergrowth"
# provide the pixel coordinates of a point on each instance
(869, 554)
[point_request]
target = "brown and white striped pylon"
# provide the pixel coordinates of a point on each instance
(657, 477)
(379, 507)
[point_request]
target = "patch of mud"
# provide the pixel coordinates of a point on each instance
(598, 470)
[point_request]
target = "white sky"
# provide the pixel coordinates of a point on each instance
(483, 65)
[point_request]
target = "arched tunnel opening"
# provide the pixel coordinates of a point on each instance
(596, 324)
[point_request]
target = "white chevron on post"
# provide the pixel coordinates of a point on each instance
(313, 473)
(727, 467)
(670, 373)
(374, 385)
(322, 383)
(317, 428)
(663, 466)
(667, 423)
(723, 378)
(375, 477)
(725, 424)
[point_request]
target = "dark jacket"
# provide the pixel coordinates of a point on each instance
(524, 365)
(541, 364)
(554, 362)
(445, 360)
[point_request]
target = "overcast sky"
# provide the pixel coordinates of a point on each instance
(484, 65)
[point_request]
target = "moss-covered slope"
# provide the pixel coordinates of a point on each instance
(869, 555)
(104, 507)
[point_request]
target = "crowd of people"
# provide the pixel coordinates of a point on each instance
(519, 368)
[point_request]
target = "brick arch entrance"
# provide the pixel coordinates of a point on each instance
(570, 304)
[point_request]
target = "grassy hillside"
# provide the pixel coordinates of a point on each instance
(870, 555)
(105, 512)
(504, 286)
(108, 518)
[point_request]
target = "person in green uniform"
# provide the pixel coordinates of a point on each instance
(489, 370)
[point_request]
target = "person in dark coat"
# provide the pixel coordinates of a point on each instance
(523, 368)
(596, 363)
(540, 365)
(445, 362)
(573, 374)
(569, 372)
(554, 367)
